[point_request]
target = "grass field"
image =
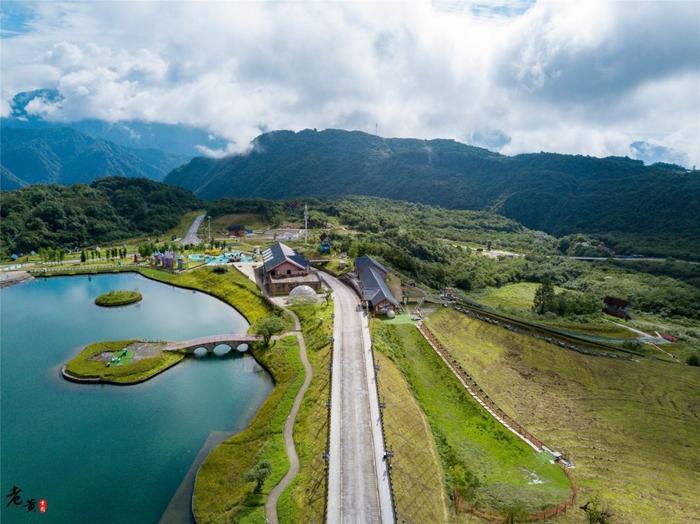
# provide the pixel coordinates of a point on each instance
(219, 225)
(221, 493)
(417, 478)
(83, 365)
(632, 428)
(516, 299)
(303, 500)
(487, 465)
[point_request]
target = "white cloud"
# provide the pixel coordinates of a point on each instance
(577, 77)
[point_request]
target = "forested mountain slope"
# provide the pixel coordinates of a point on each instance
(560, 194)
(72, 216)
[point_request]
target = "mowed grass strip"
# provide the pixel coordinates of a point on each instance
(85, 365)
(304, 499)
(221, 492)
(632, 428)
(486, 464)
(417, 478)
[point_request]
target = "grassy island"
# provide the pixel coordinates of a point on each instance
(118, 298)
(121, 362)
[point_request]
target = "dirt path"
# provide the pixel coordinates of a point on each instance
(273, 497)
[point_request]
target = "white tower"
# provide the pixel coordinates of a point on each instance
(306, 223)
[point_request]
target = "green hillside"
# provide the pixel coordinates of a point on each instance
(636, 208)
(73, 216)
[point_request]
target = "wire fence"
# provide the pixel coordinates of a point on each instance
(478, 393)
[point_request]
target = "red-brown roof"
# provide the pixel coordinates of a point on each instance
(614, 301)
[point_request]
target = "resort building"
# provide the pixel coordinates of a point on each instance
(373, 289)
(285, 269)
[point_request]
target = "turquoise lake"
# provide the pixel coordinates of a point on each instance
(111, 454)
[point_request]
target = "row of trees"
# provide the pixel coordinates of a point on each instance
(51, 255)
(107, 254)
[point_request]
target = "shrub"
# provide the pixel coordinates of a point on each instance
(693, 360)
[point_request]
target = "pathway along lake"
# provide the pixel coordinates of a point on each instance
(111, 454)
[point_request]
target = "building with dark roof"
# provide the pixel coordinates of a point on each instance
(373, 288)
(285, 269)
(617, 307)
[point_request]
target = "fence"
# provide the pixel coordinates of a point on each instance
(387, 452)
(476, 391)
(550, 335)
(480, 395)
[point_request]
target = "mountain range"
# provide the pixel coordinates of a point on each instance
(63, 155)
(36, 150)
(560, 194)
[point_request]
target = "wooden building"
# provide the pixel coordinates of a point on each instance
(374, 291)
(286, 269)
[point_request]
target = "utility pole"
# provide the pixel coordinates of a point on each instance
(209, 229)
(306, 223)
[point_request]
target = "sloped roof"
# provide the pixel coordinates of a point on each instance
(614, 301)
(367, 261)
(279, 253)
(374, 288)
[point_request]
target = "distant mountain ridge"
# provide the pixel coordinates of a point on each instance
(65, 156)
(176, 139)
(556, 193)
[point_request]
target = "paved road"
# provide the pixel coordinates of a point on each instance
(358, 487)
(191, 237)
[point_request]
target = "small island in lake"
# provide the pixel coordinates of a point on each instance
(121, 362)
(118, 298)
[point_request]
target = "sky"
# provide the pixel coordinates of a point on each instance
(594, 78)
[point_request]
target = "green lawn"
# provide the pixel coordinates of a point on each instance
(303, 500)
(84, 365)
(632, 428)
(221, 493)
(487, 465)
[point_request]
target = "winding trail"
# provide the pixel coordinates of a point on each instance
(273, 497)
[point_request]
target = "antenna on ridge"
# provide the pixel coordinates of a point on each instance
(376, 128)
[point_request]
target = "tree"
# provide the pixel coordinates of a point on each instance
(267, 327)
(259, 474)
(544, 298)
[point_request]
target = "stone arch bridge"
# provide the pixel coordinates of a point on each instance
(209, 343)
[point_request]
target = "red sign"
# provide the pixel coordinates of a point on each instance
(42, 506)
